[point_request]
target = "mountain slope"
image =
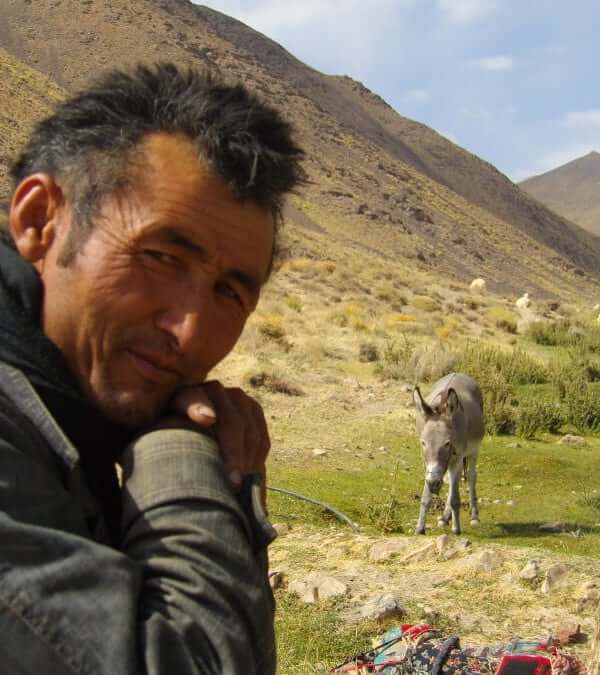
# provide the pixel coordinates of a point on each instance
(380, 183)
(573, 190)
(26, 95)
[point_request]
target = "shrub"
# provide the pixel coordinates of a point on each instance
(270, 326)
(273, 383)
(425, 303)
(394, 359)
(368, 352)
(581, 405)
(536, 417)
(294, 302)
(498, 412)
(515, 366)
(503, 319)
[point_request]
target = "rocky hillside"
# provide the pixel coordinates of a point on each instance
(573, 190)
(380, 183)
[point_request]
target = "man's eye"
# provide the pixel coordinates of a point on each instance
(159, 256)
(226, 290)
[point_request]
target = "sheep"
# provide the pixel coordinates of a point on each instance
(523, 302)
(478, 286)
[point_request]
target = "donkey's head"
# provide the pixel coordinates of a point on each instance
(436, 427)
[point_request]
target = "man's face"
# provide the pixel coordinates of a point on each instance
(160, 291)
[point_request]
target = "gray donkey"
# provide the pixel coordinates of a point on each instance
(450, 424)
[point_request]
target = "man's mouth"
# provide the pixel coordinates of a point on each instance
(154, 368)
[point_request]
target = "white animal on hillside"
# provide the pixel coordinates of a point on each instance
(478, 286)
(596, 307)
(451, 427)
(524, 301)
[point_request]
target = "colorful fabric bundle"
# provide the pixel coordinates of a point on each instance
(421, 650)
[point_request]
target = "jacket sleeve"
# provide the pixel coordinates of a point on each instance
(186, 593)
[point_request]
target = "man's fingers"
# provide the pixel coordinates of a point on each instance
(195, 403)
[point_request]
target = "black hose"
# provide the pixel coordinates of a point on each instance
(335, 512)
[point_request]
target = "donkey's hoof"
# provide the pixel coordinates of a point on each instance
(419, 530)
(442, 523)
(474, 522)
(456, 530)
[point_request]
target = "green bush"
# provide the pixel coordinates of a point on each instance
(513, 366)
(537, 417)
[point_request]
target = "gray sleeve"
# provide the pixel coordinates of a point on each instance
(205, 605)
(186, 594)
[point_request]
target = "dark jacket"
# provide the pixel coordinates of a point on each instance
(179, 586)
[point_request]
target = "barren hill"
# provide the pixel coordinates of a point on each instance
(573, 190)
(381, 183)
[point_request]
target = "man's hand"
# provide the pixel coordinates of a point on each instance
(233, 418)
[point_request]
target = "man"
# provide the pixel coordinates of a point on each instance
(143, 220)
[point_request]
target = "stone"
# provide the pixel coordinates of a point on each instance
(382, 607)
(276, 579)
(514, 444)
(455, 549)
(485, 561)
(587, 596)
(531, 571)
(426, 552)
(314, 588)
(442, 543)
(571, 439)
(554, 576)
(386, 549)
(510, 502)
(569, 633)
(497, 501)
(281, 528)
(319, 452)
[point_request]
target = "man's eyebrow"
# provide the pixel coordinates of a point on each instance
(249, 281)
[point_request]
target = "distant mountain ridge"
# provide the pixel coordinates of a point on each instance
(572, 190)
(379, 182)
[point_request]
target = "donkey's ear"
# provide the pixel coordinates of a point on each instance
(453, 403)
(422, 408)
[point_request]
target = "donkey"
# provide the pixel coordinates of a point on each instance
(450, 424)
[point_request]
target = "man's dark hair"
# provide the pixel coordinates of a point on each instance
(88, 142)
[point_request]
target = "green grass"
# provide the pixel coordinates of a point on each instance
(311, 638)
(557, 485)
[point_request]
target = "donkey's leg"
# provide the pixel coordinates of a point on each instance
(444, 519)
(454, 497)
(425, 504)
(473, 491)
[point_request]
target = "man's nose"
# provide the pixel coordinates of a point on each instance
(183, 325)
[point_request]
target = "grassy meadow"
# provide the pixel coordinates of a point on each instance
(331, 354)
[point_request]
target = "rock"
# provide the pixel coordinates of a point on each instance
(319, 452)
(514, 444)
(276, 579)
(442, 543)
(486, 561)
(571, 439)
(554, 575)
(406, 389)
(386, 549)
(455, 549)
(281, 528)
(382, 607)
(426, 552)
(497, 501)
(587, 596)
(510, 502)
(314, 588)
(431, 615)
(531, 571)
(569, 633)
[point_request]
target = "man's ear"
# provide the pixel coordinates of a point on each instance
(33, 215)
